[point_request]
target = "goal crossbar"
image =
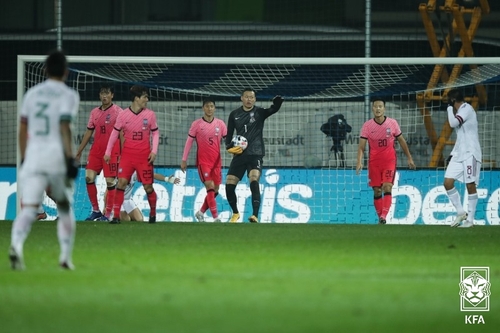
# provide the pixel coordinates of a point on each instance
(274, 61)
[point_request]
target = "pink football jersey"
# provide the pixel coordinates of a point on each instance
(103, 122)
(381, 138)
(208, 136)
(137, 128)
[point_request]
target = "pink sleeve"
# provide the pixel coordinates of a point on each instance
(90, 123)
(187, 148)
(364, 132)
(224, 129)
(396, 128)
(156, 141)
(111, 141)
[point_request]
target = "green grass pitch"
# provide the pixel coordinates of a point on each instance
(205, 277)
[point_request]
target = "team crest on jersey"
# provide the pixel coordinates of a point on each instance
(252, 118)
(388, 132)
(217, 130)
(144, 124)
(108, 118)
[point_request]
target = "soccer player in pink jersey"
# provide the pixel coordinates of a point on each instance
(208, 132)
(138, 125)
(102, 118)
(381, 133)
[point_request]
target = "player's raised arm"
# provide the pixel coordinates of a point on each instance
(277, 101)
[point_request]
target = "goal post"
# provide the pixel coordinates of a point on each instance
(309, 173)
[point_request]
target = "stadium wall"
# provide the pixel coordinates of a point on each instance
(296, 196)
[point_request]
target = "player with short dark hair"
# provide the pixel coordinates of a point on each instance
(248, 121)
(208, 132)
(465, 158)
(381, 134)
(47, 158)
(140, 147)
(102, 118)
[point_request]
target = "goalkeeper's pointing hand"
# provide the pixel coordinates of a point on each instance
(277, 101)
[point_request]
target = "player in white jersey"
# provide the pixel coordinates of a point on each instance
(47, 158)
(465, 158)
(129, 210)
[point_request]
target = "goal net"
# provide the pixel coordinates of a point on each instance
(311, 143)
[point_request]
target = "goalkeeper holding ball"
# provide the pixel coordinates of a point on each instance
(248, 121)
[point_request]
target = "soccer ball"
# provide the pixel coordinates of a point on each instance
(240, 141)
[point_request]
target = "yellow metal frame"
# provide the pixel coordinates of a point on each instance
(440, 72)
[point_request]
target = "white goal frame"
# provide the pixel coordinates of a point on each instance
(23, 76)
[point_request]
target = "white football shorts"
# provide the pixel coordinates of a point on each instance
(128, 206)
(467, 171)
(34, 185)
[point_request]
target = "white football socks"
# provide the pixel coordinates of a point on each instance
(455, 200)
(66, 228)
(22, 227)
(471, 207)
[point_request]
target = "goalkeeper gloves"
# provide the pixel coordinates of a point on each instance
(235, 150)
(277, 101)
(71, 168)
(232, 149)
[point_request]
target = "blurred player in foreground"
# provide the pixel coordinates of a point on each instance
(208, 132)
(102, 118)
(381, 133)
(248, 121)
(46, 114)
(465, 160)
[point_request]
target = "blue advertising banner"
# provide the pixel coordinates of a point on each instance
(293, 196)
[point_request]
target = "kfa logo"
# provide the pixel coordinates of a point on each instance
(474, 289)
(474, 319)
